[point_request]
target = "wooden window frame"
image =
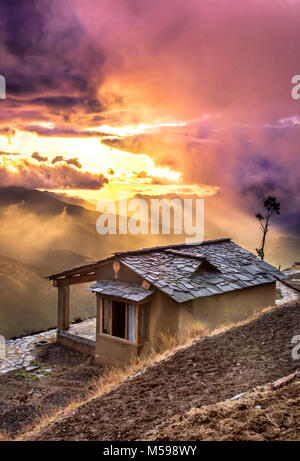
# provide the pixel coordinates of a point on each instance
(138, 340)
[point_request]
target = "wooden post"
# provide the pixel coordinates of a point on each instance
(99, 314)
(126, 320)
(63, 322)
(110, 317)
(137, 324)
(148, 322)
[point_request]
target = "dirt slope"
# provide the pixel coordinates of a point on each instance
(208, 372)
(264, 414)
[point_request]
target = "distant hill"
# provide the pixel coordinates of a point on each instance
(28, 302)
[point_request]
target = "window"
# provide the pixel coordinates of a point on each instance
(125, 320)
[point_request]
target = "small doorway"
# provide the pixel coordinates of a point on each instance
(118, 319)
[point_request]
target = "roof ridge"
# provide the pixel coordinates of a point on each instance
(166, 247)
(185, 254)
(90, 266)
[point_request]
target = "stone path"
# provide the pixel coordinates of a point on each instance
(18, 353)
(288, 294)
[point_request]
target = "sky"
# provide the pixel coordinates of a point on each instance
(153, 97)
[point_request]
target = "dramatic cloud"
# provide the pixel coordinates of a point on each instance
(63, 131)
(39, 157)
(74, 161)
(156, 60)
(42, 45)
(201, 87)
(32, 175)
(71, 161)
(58, 158)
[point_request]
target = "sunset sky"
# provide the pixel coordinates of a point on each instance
(152, 97)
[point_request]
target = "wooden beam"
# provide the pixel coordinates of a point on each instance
(63, 321)
(81, 270)
(74, 280)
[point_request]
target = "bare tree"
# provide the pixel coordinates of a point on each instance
(271, 206)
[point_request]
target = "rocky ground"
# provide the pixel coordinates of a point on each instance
(210, 371)
(58, 377)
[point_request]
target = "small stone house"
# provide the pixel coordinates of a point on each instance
(140, 294)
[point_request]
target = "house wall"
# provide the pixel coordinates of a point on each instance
(114, 351)
(124, 274)
(229, 307)
(164, 316)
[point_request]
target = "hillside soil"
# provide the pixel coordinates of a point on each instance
(262, 415)
(26, 397)
(210, 371)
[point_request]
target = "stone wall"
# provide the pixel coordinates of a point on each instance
(77, 343)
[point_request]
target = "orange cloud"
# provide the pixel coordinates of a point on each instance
(32, 175)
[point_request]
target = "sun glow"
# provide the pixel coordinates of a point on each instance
(130, 130)
(126, 171)
(94, 157)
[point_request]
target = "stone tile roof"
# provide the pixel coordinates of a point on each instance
(186, 272)
(127, 291)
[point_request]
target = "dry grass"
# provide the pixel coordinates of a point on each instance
(5, 437)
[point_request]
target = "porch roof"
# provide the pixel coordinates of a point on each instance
(127, 291)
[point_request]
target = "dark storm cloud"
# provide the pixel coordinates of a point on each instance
(288, 198)
(68, 103)
(24, 26)
(41, 43)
